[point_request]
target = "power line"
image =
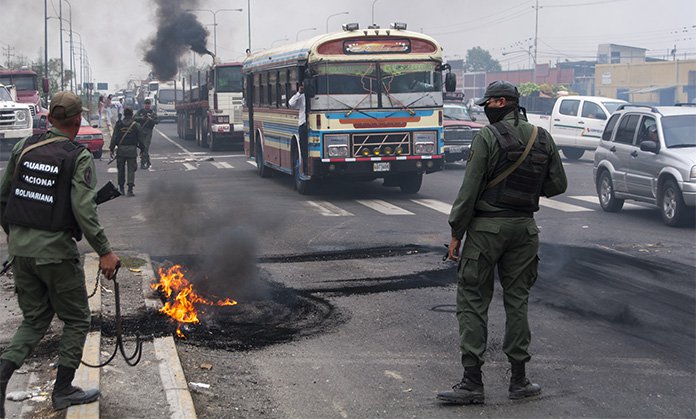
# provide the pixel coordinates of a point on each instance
(479, 19)
(580, 4)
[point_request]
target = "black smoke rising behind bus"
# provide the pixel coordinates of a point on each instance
(178, 30)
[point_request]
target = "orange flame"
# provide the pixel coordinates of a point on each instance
(182, 307)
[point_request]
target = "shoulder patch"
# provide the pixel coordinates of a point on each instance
(88, 175)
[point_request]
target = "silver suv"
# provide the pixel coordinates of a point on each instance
(649, 154)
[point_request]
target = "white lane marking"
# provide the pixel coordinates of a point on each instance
(175, 143)
(595, 200)
(328, 209)
(561, 206)
(222, 165)
(139, 217)
(111, 170)
(253, 163)
(384, 207)
(189, 166)
(434, 204)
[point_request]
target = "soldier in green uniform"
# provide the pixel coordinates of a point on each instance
(510, 165)
(125, 141)
(147, 118)
(47, 202)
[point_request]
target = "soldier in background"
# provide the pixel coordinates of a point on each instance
(147, 118)
(125, 142)
(511, 163)
(47, 202)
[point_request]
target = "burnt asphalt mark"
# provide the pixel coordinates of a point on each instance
(649, 298)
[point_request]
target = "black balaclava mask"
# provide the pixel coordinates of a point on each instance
(497, 114)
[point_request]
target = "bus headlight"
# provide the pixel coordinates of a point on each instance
(337, 145)
(424, 142)
(221, 119)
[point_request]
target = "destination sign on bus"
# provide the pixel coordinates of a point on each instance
(377, 46)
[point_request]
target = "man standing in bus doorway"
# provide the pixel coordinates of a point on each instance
(147, 118)
(511, 164)
(297, 101)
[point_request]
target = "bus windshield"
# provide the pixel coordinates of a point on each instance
(356, 85)
(228, 79)
(166, 96)
(21, 81)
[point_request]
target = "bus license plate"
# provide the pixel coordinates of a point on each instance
(381, 166)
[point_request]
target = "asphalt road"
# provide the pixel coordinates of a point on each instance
(346, 309)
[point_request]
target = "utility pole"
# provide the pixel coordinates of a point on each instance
(536, 34)
(62, 71)
(46, 47)
(9, 54)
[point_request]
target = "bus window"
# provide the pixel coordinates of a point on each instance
(257, 89)
(272, 92)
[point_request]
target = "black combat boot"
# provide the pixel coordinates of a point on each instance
(6, 370)
(121, 190)
(468, 391)
(130, 191)
(66, 395)
(520, 386)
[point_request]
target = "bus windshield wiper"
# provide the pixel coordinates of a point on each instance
(352, 109)
(392, 99)
(408, 107)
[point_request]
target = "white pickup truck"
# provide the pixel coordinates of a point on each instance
(15, 120)
(576, 123)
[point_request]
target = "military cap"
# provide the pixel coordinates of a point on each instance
(65, 105)
(147, 101)
(499, 88)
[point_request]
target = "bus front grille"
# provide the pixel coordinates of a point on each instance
(381, 144)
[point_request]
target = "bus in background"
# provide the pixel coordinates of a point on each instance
(165, 101)
(373, 107)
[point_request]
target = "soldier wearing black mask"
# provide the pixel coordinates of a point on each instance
(511, 164)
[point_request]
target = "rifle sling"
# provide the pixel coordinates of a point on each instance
(517, 163)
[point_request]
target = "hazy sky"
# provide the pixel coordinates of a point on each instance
(115, 32)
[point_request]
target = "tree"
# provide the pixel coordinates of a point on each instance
(479, 59)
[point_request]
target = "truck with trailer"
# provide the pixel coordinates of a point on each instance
(26, 84)
(210, 109)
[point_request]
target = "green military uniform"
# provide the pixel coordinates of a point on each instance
(495, 239)
(126, 140)
(147, 118)
(48, 274)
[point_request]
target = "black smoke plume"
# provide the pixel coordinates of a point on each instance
(177, 31)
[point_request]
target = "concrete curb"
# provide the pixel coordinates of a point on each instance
(87, 377)
(171, 373)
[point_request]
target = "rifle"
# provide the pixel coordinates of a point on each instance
(105, 193)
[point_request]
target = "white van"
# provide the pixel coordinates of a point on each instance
(577, 122)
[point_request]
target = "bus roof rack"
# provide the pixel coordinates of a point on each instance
(636, 105)
(350, 27)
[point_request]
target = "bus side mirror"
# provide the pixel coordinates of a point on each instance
(45, 85)
(450, 82)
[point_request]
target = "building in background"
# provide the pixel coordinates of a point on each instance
(650, 83)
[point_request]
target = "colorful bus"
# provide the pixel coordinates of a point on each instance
(373, 107)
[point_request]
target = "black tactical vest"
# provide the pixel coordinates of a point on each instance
(131, 136)
(40, 192)
(520, 190)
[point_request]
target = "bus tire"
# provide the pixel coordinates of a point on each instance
(411, 182)
(261, 168)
